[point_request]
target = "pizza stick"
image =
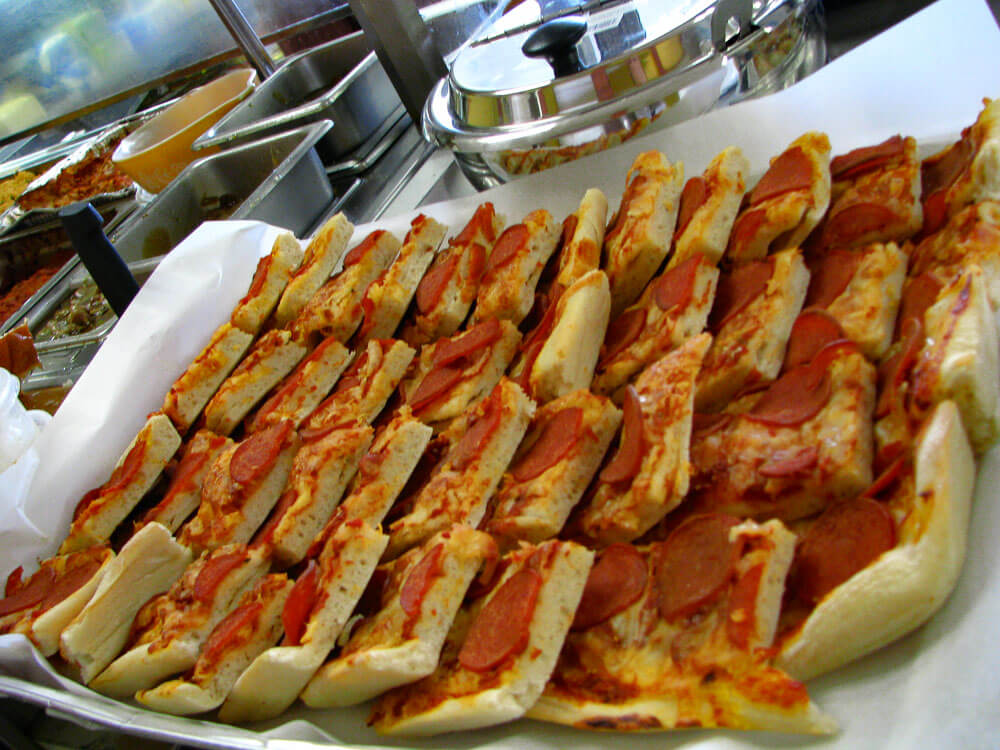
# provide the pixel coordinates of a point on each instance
(202, 378)
(388, 297)
(501, 649)
(875, 197)
(365, 386)
(251, 628)
(453, 374)
(321, 256)
(400, 642)
(582, 238)
(241, 488)
(321, 471)
(673, 308)
(269, 280)
(45, 604)
(638, 240)
(335, 309)
(752, 316)
(709, 205)
(559, 355)
(861, 290)
(147, 565)
(272, 357)
(553, 466)
(169, 631)
(302, 391)
(800, 445)
(649, 473)
(317, 608)
(446, 292)
(786, 204)
(481, 445)
(658, 643)
(183, 494)
(877, 567)
(507, 289)
(385, 469)
(100, 511)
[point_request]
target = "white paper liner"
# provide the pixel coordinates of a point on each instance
(925, 77)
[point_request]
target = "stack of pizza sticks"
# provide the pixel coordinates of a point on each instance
(637, 474)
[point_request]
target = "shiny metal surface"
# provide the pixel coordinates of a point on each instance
(244, 36)
(340, 81)
(403, 44)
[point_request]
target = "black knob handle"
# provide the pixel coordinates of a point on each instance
(85, 229)
(556, 42)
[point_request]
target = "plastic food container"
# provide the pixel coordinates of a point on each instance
(18, 427)
(157, 152)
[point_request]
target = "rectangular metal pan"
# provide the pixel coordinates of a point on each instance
(341, 81)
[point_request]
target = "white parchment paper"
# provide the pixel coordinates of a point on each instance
(937, 687)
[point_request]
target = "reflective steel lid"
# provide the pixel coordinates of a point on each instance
(551, 67)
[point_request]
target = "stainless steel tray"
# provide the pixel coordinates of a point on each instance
(341, 81)
(279, 180)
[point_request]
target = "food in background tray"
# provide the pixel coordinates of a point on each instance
(47, 399)
(13, 186)
(18, 294)
(81, 312)
(94, 175)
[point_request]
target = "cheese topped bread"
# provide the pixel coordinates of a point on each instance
(583, 238)
(269, 281)
(321, 256)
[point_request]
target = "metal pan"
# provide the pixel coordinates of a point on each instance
(341, 81)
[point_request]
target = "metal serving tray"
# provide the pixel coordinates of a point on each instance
(341, 81)
(279, 180)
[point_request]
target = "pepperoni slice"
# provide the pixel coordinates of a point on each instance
(939, 172)
(616, 582)
(480, 223)
(213, 572)
(367, 313)
(507, 246)
(298, 605)
(633, 188)
(693, 197)
(80, 568)
(434, 282)
(14, 581)
(830, 278)
(460, 347)
(935, 212)
(358, 251)
(419, 581)
(855, 221)
(30, 594)
(845, 539)
(865, 159)
(741, 623)
(887, 478)
(893, 371)
(125, 471)
(558, 436)
(744, 230)
(223, 634)
(789, 463)
(436, 383)
(813, 330)
(631, 448)
(674, 289)
(477, 264)
(259, 276)
(478, 433)
(694, 564)
(792, 170)
(704, 425)
(738, 289)
(266, 532)
(919, 293)
(622, 332)
(254, 457)
(502, 628)
(796, 397)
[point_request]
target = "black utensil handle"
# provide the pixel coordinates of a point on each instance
(85, 229)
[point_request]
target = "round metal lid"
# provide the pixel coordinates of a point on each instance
(550, 67)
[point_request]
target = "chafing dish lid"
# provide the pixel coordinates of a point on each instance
(549, 67)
